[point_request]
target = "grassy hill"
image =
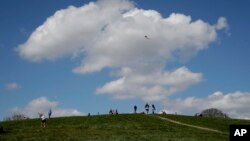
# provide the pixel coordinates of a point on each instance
(132, 127)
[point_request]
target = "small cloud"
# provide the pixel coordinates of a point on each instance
(12, 86)
(221, 23)
(42, 105)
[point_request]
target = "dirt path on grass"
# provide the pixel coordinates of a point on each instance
(189, 125)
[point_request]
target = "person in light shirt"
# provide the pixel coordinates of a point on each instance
(43, 120)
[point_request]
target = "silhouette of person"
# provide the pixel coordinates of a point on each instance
(147, 107)
(135, 109)
(110, 111)
(50, 113)
(153, 109)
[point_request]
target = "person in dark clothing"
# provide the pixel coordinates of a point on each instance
(111, 112)
(135, 109)
(147, 107)
(50, 113)
(153, 109)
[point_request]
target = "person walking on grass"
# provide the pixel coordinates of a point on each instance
(43, 120)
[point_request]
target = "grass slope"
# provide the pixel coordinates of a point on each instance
(131, 127)
(214, 123)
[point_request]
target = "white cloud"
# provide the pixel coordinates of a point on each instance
(111, 34)
(42, 105)
(150, 86)
(12, 86)
(234, 104)
(71, 30)
(221, 23)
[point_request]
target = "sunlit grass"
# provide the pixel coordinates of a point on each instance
(131, 127)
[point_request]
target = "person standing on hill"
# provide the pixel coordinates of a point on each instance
(50, 113)
(153, 109)
(135, 108)
(147, 107)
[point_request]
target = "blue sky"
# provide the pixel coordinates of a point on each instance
(70, 77)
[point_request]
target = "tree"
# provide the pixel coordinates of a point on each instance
(213, 112)
(16, 117)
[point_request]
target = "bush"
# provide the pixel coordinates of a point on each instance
(16, 117)
(213, 112)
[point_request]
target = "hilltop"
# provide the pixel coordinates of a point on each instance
(127, 127)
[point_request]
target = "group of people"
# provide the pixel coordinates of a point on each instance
(146, 108)
(113, 112)
(43, 118)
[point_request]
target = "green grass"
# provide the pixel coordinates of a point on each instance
(214, 123)
(116, 128)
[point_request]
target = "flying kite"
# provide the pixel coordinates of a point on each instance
(146, 37)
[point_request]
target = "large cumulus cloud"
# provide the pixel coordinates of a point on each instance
(111, 34)
(235, 104)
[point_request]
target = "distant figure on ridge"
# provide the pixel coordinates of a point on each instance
(153, 109)
(112, 112)
(50, 113)
(147, 107)
(135, 109)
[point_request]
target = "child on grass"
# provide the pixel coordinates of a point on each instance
(43, 120)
